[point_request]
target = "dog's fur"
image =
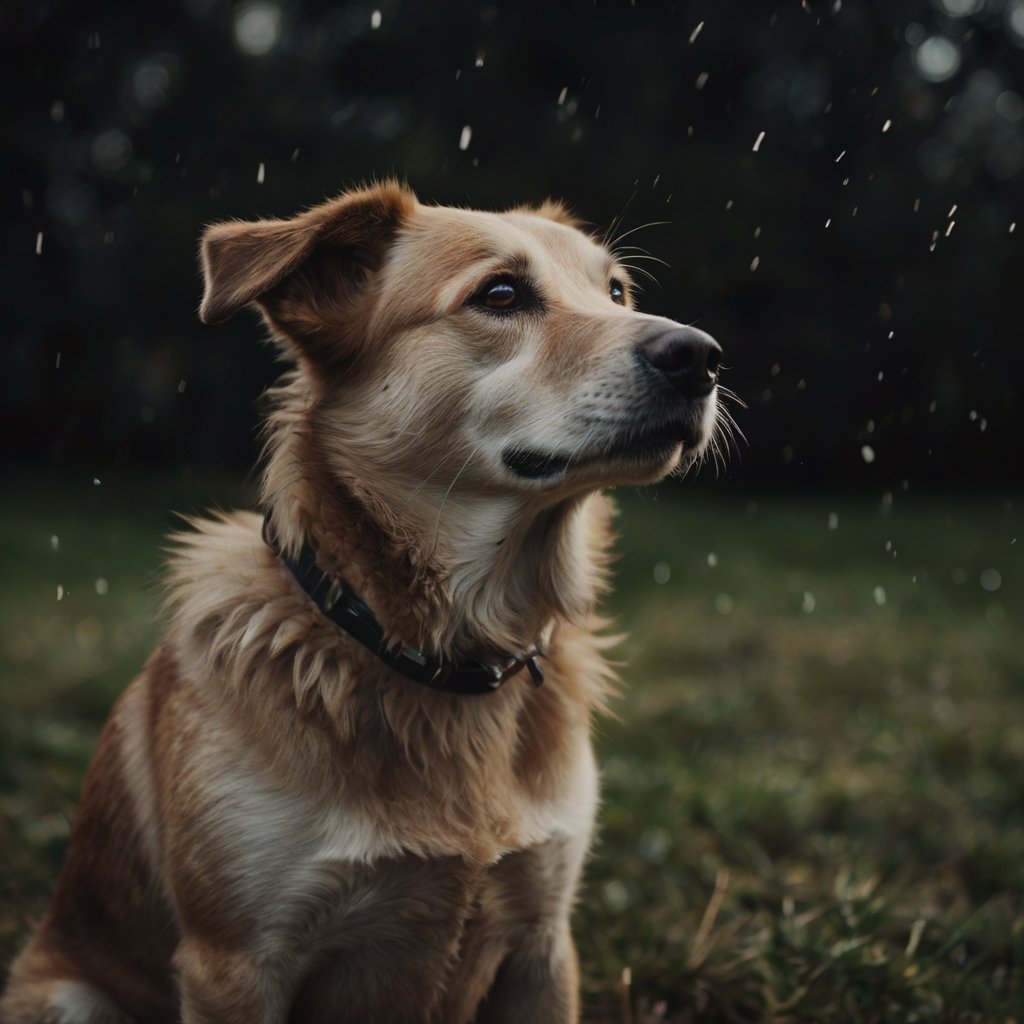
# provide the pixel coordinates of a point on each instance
(277, 827)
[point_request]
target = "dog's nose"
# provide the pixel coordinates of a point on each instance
(688, 357)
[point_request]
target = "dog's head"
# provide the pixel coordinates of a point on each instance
(459, 351)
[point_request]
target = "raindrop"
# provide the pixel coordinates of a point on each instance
(712, 560)
(702, 80)
(261, 173)
(58, 361)
(54, 543)
(879, 595)
(95, 481)
(724, 604)
(181, 386)
(696, 32)
(374, 20)
(60, 592)
(662, 572)
(833, 521)
(102, 587)
(867, 453)
(758, 141)
(809, 604)
(465, 137)
(949, 229)
(39, 243)
(563, 94)
(886, 126)
(841, 155)
(755, 263)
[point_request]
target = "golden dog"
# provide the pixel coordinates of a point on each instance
(355, 781)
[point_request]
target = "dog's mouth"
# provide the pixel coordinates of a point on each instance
(647, 446)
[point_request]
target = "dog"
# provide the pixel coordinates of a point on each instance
(354, 781)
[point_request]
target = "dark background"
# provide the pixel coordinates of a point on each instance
(867, 321)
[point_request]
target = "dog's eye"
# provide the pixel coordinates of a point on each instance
(617, 291)
(504, 296)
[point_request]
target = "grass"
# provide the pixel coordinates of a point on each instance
(814, 791)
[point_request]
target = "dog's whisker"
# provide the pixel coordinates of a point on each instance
(423, 483)
(617, 220)
(641, 270)
(632, 231)
(455, 479)
(644, 256)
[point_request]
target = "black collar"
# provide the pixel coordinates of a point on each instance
(342, 606)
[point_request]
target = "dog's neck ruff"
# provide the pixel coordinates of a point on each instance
(338, 602)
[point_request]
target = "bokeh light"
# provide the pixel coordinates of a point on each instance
(959, 8)
(257, 28)
(111, 151)
(937, 58)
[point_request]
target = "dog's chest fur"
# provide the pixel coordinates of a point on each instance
(321, 812)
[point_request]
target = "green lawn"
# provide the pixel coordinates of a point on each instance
(814, 792)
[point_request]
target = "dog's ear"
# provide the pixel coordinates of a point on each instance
(259, 261)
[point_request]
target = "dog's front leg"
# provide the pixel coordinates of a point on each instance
(219, 987)
(524, 918)
(538, 983)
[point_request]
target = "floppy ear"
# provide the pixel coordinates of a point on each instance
(245, 261)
